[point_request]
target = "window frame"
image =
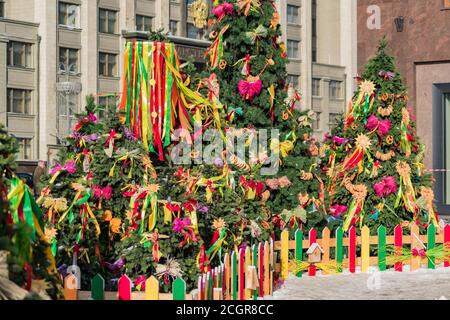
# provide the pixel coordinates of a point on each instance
(107, 55)
(66, 13)
(296, 16)
(319, 87)
(297, 48)
(26, 101)
(107, 20)
(67, 58)
(176, 23)
(27, 52)
(338, 89)
(24, 143)
(144, 19)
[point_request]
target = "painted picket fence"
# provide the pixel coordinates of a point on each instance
(345, 249)
(244, 274)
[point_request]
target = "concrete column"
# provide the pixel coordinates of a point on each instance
(3, 80)
(325, 112)
(306, 55)
(281, 8)
(89, 48)
(162, 14)
(46, 15)
(349, 44)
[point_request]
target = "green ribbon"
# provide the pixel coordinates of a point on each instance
(217, 246)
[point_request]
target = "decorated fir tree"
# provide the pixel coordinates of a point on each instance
(247, 80)
(27, 267)
(374, 164)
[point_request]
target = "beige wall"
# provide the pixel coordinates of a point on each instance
(425, 76)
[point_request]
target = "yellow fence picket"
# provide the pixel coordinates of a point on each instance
(227, 293)
(152, 289)
(284, 255)
(70, 287)
(325, 246)
(415, 244)
(365, 249)
(266, 268)
(248, 262)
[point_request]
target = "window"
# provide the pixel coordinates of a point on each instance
(314, 30)
(192, 31)
(292, 14)
(24, 148)
(107, 64)
(446, 4)
(143, 23)
(2, 9)
(108, 104)
(316, 121)
(19, 101)
(68, 14)
(107, 21)
(333, 120)
(19, 54)
(173, 27)
(316, 87)
(335, 89)
(293, 79)
(68, 59)
(292, 49)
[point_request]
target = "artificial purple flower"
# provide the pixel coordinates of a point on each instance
(129, 134)
(116, 265)
(179, 224)
(203, 209)
(218, 163)
(340, 141)
(387, 75)
(90, 138)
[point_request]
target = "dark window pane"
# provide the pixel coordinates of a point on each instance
(102, 21)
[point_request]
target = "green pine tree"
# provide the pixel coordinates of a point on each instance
(374, 163)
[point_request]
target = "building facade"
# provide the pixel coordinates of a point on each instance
(417, 34)
(74, 48)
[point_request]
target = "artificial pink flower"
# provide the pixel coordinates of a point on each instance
(104, 193)
(372, 122)
(250, 89)
(273, 184)
(139, 282)
(338, 210)
(180, 224)
(383, 127)
(92, 118)
(284, 182)
(340, 141)
(220, 10)
(70, 167)
(385, 187)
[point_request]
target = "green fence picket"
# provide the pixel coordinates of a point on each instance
(299, 248)
(431, 244)
(382, 248)
(234, 279)
(98, 288)
(339, 247)
(179, 289)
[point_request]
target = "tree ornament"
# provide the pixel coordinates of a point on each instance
(250, 88)
(384, 156)
(406, 135)
(390, 140)
(385, 187)
(199, 12)
(222, 64)
(245, 6)
(361, 145)
(223, 9)
(256, 34)
(215, 51)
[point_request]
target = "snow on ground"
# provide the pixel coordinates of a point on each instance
(423, 284)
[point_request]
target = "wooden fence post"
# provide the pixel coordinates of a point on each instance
(381, 248)
(70, 287)
(124, 288)
(179, 289)
(352, 250)
(325, 246)
(266, 268)
(312, 240)
(415, 244)
(248, 261)
(339, 248)
(447, 245)
(98, 288)
(365, 249)
(152, 289)
(255, 264)
(431, 244)
(398, 245)
(299, 249)
(284, 254)
(234, 277)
